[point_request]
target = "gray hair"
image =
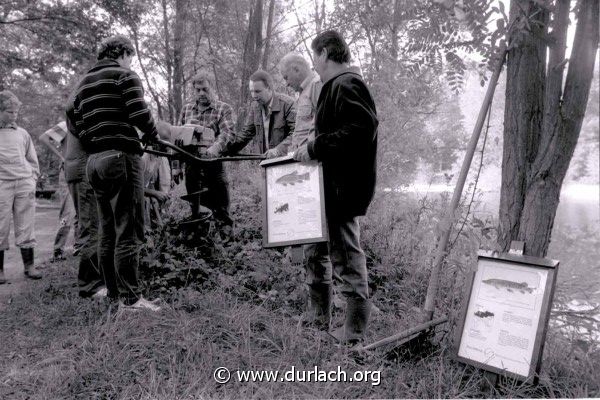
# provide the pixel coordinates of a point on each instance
(293, 58)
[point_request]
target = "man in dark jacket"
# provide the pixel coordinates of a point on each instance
(108, 106)
(346, 143)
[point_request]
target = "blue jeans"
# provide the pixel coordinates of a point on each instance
(347, 259)
(89, 276)
(117, 180)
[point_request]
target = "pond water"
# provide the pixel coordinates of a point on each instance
(575, 235)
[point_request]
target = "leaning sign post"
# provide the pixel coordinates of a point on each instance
(293, 203)
(505, 314)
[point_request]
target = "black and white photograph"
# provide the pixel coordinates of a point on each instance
(299, 199)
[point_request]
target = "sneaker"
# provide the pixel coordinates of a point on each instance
(141, 304)
(100, 293)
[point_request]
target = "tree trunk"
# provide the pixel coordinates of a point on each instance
(522, 116)
(168, 61)
(537, 152)
(178, 49)
(561, 132)
(252, 47)
(265, 58)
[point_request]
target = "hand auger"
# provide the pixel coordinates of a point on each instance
(199, 212)
(194, 158)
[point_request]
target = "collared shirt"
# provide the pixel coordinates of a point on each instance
(266, 116)
(306, 107)
(18, 159)
(217, 116)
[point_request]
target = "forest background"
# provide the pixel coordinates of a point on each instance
(426, 63)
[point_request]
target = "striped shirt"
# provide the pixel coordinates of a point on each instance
(108, 105)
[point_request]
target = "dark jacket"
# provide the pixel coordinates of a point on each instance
(108, 105)
(346, 143)
(282, 123)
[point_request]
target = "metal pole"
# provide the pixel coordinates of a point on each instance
(449, 218)
(405, 334)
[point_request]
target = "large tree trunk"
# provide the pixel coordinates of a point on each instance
(522, 117)
(267, 51)
(561, 133)
(538, 151)
(178, 49)
(252, 48)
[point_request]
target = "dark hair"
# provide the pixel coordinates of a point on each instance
(337, 49)
(263, 76)
(114, 47)
(7, 99)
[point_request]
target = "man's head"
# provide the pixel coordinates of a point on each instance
(9, 107)
(118, 48)
(261, 85)
(202, 83)
(294, 69)
(329, 47)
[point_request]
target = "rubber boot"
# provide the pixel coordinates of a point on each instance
(2, 277)
(357, 318)
(319, 305)
(30, 269)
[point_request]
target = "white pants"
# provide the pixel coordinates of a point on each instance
(17, 199)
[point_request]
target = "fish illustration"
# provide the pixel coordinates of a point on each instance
(509, 285)
(292, 178)
(484, 314)
(282, 208)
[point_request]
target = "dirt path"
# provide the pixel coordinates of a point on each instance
(46, 223)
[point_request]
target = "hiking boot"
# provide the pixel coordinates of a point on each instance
(357, 318)
(30, 269)
(141, 304)
(2, 277)
(318, 312)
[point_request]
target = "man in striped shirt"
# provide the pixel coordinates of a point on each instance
(108, 106)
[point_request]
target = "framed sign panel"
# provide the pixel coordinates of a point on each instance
(505, 314)
(293, 203)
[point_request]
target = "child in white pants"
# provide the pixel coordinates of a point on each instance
(19, 171)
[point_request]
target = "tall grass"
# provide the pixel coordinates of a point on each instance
(243, 315)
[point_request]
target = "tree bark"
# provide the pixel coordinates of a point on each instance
(525, 76)
(252, 48)
(168, 60)
(561, 132)
(178, 49)
(537, 152)
(266, 52)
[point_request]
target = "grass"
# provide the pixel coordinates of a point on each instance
(244, 316)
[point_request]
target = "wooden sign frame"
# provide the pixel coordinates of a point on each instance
(507, 282)
(300, 187)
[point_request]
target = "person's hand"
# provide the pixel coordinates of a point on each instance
(271, 153)
(211, 152)
(160, 196)
(302, 154)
